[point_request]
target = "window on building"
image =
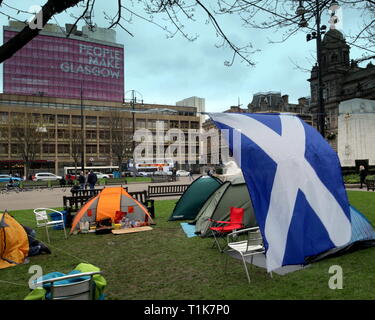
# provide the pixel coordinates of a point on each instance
(91, 121)
(90, 134)
(3, 148)
(184, 124)
(194, 125)
(49, 119)
(63, 119)
(63, 149)
(14, 148)
(104, 135)
(63, 134)
(103, 121)
(140, 123)
(104, 149)
(91, 149)
(48, 148)
(4, 117)
(174, 124)
(76, 120)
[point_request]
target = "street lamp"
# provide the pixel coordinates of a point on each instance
(82, 135)
(317, 35)
(133, 101)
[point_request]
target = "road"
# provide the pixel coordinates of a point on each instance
(53, 198)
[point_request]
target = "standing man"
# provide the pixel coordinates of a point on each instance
(92, 179)
(82, 180)
(362, 175)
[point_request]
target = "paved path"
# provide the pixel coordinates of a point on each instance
(53, 198)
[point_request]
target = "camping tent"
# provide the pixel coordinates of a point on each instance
(232, 172)
(363, 236)
(14, 245)
(217, 207)
(105, 205)
(194, 198)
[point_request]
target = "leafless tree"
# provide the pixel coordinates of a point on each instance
(76, 148)
(120, 138)
(172, 16)
(27, 133)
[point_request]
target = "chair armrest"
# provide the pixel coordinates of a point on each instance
(239, 231)
(76, 275)
(217, 221)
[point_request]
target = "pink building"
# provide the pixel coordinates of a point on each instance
(56, 66)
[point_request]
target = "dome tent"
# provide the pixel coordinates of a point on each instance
(107, 203)
(217, 207)
(194, 197)
(14, 244)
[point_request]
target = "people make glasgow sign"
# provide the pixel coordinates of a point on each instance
(62, 67)
(98, 61)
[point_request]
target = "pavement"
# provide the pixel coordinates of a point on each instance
(53, 198)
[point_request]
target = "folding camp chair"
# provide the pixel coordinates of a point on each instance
(80, 286)
(225, 227)
(252, 246)
(43, 219)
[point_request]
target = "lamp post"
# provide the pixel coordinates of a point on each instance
(317, 35)
(133, 101)
(82, 135)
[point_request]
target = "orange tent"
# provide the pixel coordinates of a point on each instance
(107, 203)
(14, 244)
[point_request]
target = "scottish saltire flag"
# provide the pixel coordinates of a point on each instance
(295, 183)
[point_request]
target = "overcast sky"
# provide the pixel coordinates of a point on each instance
(165, 71)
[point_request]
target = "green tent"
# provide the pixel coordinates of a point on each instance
(218, 205)
(194, 198)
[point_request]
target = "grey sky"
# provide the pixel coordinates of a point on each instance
(165, 70)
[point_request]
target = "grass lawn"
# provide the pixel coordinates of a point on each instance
(165, 264)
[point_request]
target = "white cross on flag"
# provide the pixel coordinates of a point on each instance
(295, 183)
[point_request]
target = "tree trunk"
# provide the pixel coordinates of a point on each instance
(22, 38)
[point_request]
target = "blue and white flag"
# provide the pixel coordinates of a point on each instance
(295, 183)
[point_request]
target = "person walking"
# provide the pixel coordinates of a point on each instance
(362, 175)
(92, 179)
(82, 180)
(191, 174)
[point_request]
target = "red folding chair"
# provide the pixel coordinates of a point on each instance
(225, 227)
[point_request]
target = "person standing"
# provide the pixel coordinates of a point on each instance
(82, 180)
(362, 175)
(92, 179)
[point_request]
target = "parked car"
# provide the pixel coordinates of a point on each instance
(102, 175)
(182, 173)
(162, 173)
(144, 174)
(46, 176)
(7, 177)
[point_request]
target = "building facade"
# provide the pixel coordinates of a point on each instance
(356, 133)
(215, 149)
(61, 122)
(195, 102)
(88, 64)
(343, 79)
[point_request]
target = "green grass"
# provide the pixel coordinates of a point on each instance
(165, 264)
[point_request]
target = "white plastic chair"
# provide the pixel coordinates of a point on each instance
(79, 290)
(252, 246)
(43, 220)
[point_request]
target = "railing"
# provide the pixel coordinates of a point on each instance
(169, 190)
